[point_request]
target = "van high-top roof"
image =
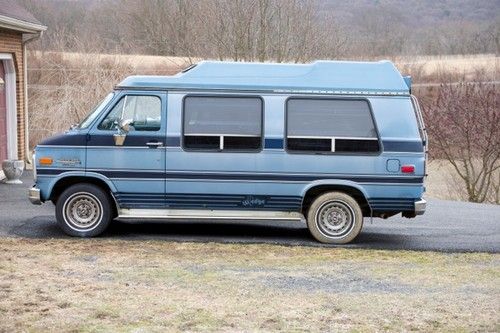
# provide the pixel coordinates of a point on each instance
(319, 77)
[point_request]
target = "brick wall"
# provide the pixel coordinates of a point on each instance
(11, 42)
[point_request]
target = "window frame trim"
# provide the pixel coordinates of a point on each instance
(221, 136)
(310, 152)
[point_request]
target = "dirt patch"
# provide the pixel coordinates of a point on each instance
(88, 285)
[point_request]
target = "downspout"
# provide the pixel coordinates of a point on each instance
(29, 39)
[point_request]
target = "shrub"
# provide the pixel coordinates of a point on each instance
(463, 121)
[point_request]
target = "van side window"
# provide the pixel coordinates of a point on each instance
(330, 125)
(144, 111)
(222, 123)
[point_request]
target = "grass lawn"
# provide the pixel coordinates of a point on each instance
(141, 286)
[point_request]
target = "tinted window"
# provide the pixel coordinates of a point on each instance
(355, 145)
(222, 123)
(330, 125)
(310, 144)
(144, 111)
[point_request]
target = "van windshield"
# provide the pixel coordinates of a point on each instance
(95, 112)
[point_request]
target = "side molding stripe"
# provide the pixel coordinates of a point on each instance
(273, 144)
(175, 141)
(246, 176)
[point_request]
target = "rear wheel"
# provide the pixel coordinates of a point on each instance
(83, 210)
(335, 218)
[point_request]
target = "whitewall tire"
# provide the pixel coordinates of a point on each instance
(335, 218)
(83, 210)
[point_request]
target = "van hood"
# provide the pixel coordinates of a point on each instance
(73, 137)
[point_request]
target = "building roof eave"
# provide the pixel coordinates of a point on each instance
(19, 25)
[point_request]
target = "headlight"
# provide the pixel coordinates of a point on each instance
(34, 167)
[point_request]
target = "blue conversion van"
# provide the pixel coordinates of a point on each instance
(327, 142)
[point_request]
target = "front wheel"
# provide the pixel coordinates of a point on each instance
(335, 218)
(83, 210)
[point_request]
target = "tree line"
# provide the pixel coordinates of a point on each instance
(279, 30)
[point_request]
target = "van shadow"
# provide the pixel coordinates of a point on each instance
(224, 232)
(280, 233)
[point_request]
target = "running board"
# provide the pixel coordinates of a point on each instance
(200, 214)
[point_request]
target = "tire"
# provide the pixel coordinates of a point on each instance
(83, 210)
(335, 218)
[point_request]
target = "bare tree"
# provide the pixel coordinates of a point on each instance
(464, 124)
(261, 29)
(231, 28)
(282, 30)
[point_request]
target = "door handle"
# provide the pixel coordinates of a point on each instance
(154, 144)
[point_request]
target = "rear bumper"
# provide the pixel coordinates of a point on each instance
(34, 196)
(420, 207)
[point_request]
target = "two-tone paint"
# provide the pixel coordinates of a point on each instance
(152, 171)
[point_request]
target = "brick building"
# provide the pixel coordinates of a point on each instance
(17, 28)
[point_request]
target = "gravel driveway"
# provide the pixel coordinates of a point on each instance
(447, 226)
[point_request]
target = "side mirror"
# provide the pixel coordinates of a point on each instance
(123, 129)
(124, 125)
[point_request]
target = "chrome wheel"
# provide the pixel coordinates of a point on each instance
(82, 211)
(335, 219)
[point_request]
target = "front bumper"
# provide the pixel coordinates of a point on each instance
(420, 206)
(34, 196)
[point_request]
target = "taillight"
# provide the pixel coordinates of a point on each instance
(408, 169)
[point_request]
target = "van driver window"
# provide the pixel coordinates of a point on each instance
(143, 111)
(222, 123)
(330, 125)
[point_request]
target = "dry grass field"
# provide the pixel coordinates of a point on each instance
(442, 181)
(137, 64)
(139, 286)
(427, 65)
(430, 69)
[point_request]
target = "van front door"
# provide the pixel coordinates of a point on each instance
(137, 165)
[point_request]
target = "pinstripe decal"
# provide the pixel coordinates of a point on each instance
(151, 174)
(208, 201)
(392, 204)
(241, 201)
